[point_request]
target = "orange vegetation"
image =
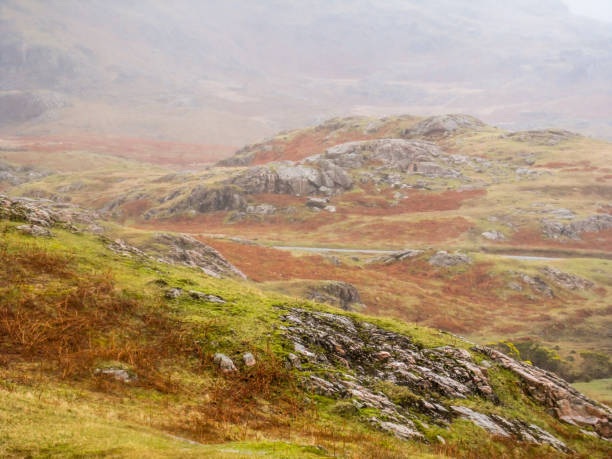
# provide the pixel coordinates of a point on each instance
(592, 240)
(303, 145)
(415, 201)
(462, 300)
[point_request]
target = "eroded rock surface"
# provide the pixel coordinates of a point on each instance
(444, 259)
(542, 137)
(566, 280)
(444, 125)
(349, 359)
(183, 249)
(566, 403)
(592, 224)
(338, 293)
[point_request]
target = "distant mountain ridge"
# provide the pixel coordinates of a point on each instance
(232, 73)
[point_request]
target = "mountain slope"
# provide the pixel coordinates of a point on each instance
(116, 343)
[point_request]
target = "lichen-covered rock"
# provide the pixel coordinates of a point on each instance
(183, 249)
(444, 259)
(350, 359)
(224, 362)
(397, 256)
(338, 293)
(35, 230)
(541, 137)
(248, 359)
(567, 403)
(566, 280)
(444, 125)
(204, 199)
(493, 235)
(592, 224)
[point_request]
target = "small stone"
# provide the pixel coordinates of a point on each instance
(383, 355)
(441, 440)
(117, 373)
(225, 363)
(173, 293)
(206, 297)
(294, 361)
(249, 359)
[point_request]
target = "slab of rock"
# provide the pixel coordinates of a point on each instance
(183, 249)
(566, 280)
(173, 293)
(206, 297)
(320, 203)
(249, 359)
(538, 284)
(541, 137)
(592, 224)
(444, 125)
(261, 209)
(337, 293)
(499, 426)
(35, 230)
(117, 373)
(372, 355)
(444, 259)
(566, 403)
(493, 235)
(397, 256)
(224, 362)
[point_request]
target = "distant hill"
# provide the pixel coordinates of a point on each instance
(232, 72)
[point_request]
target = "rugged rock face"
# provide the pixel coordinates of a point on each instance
(397, 154)
(294, 179)
(349, 359)
(444, 259)
(44, 213)
(542, 137)
(567, 403)
(592, 224)
(566, 280)
(183, 249)
(444, 125)
(18, 175)
(338, 293)
(204, 199)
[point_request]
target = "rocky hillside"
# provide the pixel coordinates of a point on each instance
(168, 348)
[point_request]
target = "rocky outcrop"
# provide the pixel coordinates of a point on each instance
(354, 360)
(35, 230)
(592, 224)
(397, 256)
(293, 179)
(566, 280)
(541, 137)
(397, 154)
(566, 403)
(444, 125)
(183, 249)
(444, 259)
(20, 174)
(337, 293)
(493, 235)
(45, 213)
(206, 199)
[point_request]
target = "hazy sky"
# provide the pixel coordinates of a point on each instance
(598, 9)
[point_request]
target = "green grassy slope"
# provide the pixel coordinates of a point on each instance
(69, 306)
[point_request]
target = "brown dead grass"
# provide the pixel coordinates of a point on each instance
(367, 203)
